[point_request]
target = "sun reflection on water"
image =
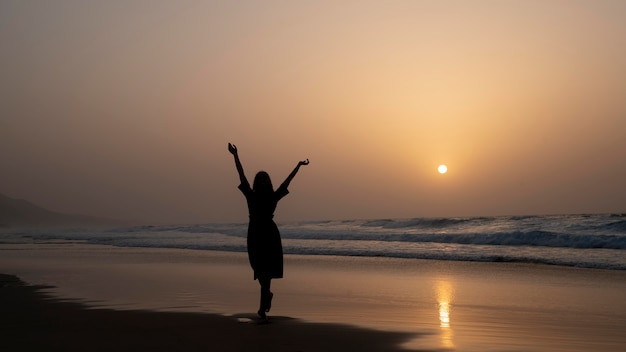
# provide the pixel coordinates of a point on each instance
(445, 292)
(444, 314)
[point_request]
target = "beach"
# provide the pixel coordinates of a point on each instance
(105, 297)
(34, 322)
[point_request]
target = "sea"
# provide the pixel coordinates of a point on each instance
(588, 241)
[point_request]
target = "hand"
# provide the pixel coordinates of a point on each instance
(232, 149)
(304, 162)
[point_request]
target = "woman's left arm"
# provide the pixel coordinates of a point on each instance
(293, 173)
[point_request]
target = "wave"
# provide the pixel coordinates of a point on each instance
(418, 222)
(616, 226)
(532, 238)
(523, 231)
(575, 257)
(580, 231)
(519, 239)
(593, 241)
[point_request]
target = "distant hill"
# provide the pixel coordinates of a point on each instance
(22, 213)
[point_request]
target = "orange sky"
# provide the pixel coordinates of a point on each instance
(124, 109)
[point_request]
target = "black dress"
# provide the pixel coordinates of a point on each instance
(265, 250)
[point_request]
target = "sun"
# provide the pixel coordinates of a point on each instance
(442, 169)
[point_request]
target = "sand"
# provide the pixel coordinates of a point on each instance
(112, 298)
(31, 321)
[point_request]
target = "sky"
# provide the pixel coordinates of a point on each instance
(124, 109)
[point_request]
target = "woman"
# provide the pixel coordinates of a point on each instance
(265, 250)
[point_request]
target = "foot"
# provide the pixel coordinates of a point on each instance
(269, 304)
(262, 314)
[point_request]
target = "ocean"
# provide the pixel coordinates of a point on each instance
(588, 241)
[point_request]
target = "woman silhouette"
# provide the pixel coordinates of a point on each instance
(265, 250)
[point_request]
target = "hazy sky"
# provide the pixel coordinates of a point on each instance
(124, 108)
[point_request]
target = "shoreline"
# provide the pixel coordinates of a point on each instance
(422, 304)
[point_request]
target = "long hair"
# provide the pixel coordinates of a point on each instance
(262, 183)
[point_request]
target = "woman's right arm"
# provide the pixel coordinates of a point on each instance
(233, 150)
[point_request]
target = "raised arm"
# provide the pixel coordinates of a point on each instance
(233, 150)
(293, 173)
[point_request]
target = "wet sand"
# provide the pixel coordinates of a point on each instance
(32, 321)
(205, 300)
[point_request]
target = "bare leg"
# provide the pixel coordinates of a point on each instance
(266, 296)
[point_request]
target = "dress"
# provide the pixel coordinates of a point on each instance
(265, 250)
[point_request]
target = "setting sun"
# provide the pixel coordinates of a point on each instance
(442, 169)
